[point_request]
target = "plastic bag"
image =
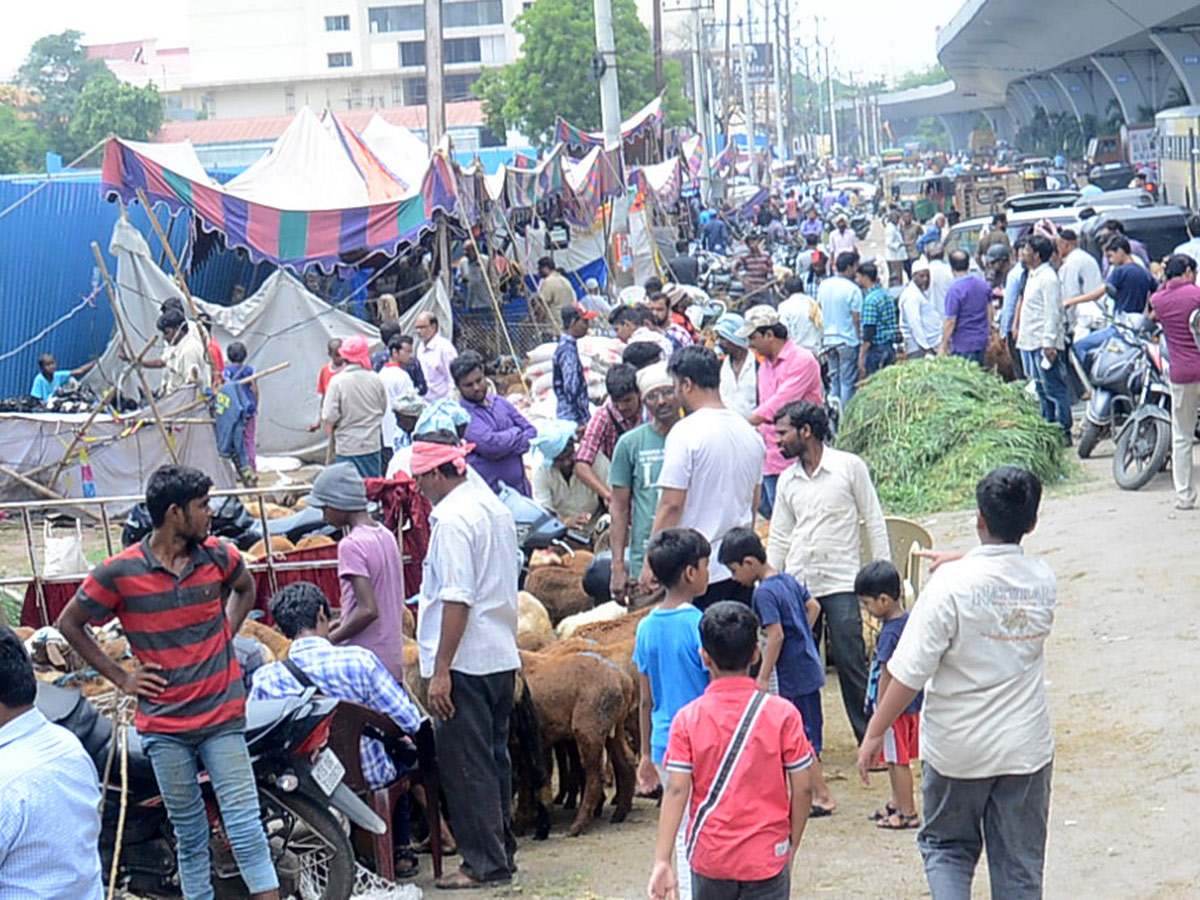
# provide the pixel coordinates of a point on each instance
(63, 554)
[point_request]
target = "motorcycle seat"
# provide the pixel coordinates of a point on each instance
(68, 708)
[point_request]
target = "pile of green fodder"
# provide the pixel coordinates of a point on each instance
(931, 428)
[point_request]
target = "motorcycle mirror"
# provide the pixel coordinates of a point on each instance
(1111, 291)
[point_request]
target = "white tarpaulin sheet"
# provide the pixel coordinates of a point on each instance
(120, 465)
(405, 154)
(281, 322)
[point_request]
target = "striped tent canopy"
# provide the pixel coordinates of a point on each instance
(649, 116)
(320, 197)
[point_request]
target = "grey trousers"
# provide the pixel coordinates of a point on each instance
(1007, 813)
(476, 773)
(776, 888)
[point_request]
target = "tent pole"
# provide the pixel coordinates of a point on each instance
(487, 278)
(127, 346)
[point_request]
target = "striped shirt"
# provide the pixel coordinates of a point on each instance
(179, 623)
(756, 269)
(603, 429)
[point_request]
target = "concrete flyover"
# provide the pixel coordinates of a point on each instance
(1008, 58)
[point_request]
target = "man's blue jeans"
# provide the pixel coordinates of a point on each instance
(1089, 342)
(879, 356)
(1006, 814)
(1051, 387)
(843, 371)
(369, 465)
(176, 760)
(766, 498)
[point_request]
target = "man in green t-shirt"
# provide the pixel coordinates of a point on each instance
(633, 477)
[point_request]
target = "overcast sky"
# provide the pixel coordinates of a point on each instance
(871, 37)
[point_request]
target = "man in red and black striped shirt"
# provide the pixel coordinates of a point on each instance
(181, 595)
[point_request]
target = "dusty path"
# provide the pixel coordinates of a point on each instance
(1120, 676)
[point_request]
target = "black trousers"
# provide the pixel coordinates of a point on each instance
(840, 613)
(476, 773)
(723, 590)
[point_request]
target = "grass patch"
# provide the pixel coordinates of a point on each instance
(931, 428)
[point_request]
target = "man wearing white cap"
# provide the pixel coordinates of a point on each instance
(739, 369)
(920, 320)
(633, 477)
(787, 373)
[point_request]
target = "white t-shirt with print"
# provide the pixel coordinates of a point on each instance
(716, 456)
(975, 642)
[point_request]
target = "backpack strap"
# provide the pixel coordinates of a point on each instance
(298, 674)
(728, 763)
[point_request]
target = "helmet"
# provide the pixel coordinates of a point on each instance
(995, 254)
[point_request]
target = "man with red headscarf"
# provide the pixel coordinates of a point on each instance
(352, 411)
(467, 636)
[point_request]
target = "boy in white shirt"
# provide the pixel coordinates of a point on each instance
(975, 641)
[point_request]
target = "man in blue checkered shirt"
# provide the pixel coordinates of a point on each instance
(342, 671)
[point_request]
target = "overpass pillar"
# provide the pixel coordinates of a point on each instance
(1048, 95)
(958, 126)
(1139, 79)
(1087, 93)
(1002, 123)
(1020, 103)
(1182, 52)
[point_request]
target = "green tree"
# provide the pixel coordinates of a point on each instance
(935, 74)
(106, 106)
(55, 72)
(553, 75)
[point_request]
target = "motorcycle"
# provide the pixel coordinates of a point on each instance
(299, 784)
(1115, 370)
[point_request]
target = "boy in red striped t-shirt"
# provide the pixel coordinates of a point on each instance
(180, 596)
(742, 756)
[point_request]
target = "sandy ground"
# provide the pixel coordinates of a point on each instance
(1125, 777)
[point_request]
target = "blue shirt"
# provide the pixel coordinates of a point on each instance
(667, 651)
(840, 298)
(885, 646)
(49, 819)
(1134, 285)
(570, 384)
(344, 672)
(780, 600)
(43, 388)
(1012, 293)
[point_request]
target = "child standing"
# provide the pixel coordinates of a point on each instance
(786, 612)
(667, 655)
(878, 586)
(234, 371)
(742, 756)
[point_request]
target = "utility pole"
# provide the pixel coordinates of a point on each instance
(833, 132)
(659, 79)
(698, 91)
(791, 79)
(610, 102)
(435, 117)
(747, 98)
(778, 70)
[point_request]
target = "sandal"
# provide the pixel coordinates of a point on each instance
(898, 821)
(819, 812)
(405, 863)
(886, 813)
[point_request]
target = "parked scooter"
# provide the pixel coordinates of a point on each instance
(298, 778)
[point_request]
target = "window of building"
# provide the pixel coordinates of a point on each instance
(412, 53)
(461, 50)
(384, 19)
(397, 92)
(354, 99)
(340, 60)
(458, 87)
(337, 23)
(488, 138)
(414, 91)
(473, 13)
(289, 99)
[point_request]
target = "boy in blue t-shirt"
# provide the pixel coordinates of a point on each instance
(878, 586)
(666, 652)
(786, 612)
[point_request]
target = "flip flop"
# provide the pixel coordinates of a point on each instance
(819, 812)
(461, 881)
(899, 822)
(886, 813)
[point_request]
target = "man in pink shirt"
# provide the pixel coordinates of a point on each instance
(434, 353)
(786, 373)
(1175, 306)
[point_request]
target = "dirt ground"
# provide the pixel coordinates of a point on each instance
(1125, 779)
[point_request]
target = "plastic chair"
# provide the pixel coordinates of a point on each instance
(351, 723)
(905, 538)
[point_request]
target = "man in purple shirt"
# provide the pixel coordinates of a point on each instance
(1176, 306)
(968, 322)
(499, 433)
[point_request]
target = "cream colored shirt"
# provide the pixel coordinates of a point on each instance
(353, 408)
(186, 362)
(815, 524)
(739, 390)
(566, 499)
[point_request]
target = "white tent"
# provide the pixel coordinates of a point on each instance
(405, 155)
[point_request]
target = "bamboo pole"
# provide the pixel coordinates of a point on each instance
(495, 301)
(127, 346)
(41, 489)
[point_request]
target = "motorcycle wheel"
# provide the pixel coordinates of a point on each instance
(1141, 453)
(1089, 437)
(317, 840)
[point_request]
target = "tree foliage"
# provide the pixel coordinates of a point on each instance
(553, 75)
(69, 103)
(934, 74)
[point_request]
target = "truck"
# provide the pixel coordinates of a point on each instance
(1132, 146)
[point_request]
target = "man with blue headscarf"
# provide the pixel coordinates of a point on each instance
(739, 370)
(555, 486)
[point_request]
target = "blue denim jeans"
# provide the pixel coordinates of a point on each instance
(1051, 387)
(843, 371)
(176, 760)
(1006, 814)
(369, 465)
(975, 356)
(1089, 342)
(879, 356)
(766, 497)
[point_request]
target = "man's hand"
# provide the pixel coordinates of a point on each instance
(618, 583)
(862, 373)
(868, 753)
(439, 696)
(314, 426)
(647, 776)
(579, 522)
(142, 682)
(663, 883)
(647, 583)
(938, 557)
(764, 684)
(1050, 353)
